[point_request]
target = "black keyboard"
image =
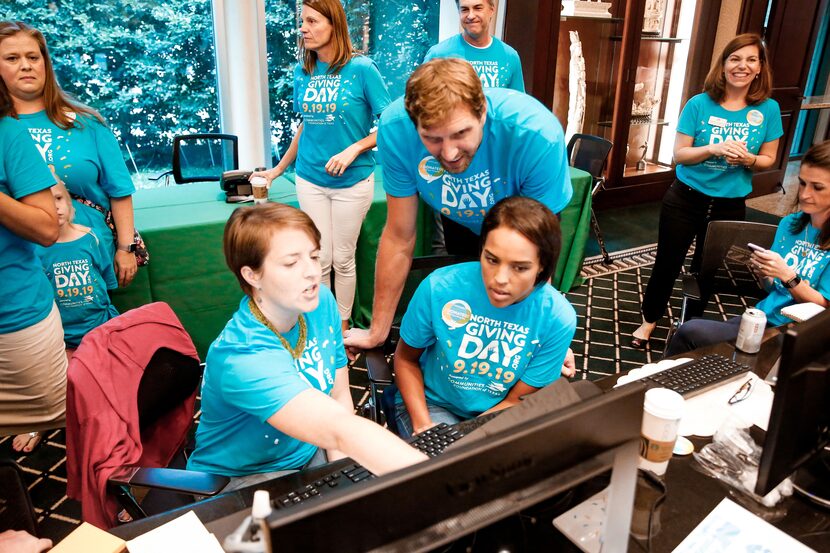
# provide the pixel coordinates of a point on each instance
(698, 376)
(352, 474)
(432, 442)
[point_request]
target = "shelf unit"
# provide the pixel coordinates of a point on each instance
(625, 66)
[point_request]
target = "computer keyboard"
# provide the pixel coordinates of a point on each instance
(698, 376)
(436, 439)
(352, 474)
(432, 442)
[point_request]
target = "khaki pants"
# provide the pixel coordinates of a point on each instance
(33, 377)
(338, 214)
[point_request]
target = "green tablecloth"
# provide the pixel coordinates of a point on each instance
(182, 227)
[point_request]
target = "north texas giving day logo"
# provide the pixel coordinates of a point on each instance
(462, 193)
(489, 348)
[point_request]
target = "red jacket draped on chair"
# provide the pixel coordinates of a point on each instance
(102, 427)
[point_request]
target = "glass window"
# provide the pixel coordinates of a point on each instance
(147, 65)
(394, 33)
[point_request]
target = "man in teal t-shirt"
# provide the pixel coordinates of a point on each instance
(497, 64)
(459, 148)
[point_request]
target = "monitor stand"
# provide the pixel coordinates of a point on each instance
(813, 479)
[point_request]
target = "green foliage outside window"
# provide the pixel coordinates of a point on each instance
(396, 34)
(149, 65)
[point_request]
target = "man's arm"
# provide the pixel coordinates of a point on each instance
(397, 242)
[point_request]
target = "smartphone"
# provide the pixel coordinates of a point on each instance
(755, 248)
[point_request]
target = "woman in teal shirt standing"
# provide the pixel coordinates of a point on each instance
(72, 138)
(338, 93)
(32, 359)
(723, 136)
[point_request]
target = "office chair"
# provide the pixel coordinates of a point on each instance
(16, 509)
(378, 360)
(724, 267)
(590, 153)
(202, 157)
(131, 390)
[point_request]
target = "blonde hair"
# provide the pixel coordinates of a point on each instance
(70, 212)
(248, 235)
(439, 86)
(343, 49)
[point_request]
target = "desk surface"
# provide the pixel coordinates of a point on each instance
(691, 495)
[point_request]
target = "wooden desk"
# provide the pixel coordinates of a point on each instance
(692, 495)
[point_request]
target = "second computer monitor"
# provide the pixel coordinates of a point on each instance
(798, 426)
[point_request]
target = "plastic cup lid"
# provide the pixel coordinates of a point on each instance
(664, 403)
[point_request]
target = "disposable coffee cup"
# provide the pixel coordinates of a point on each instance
(260, 188)
(662, 411)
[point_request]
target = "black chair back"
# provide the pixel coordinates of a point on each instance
(725, 260)
(16, 510)
(169, 379)
(204, 157)
(589, 153)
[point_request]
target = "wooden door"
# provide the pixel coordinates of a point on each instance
(790, 36)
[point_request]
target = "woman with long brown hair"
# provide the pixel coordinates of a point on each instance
(794, 269)
(723, 136)
(73, 140)
(338, 93)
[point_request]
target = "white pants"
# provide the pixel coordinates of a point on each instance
(338, 214)
(33, 377)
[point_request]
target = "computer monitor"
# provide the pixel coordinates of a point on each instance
(481, 482)
(798, 428)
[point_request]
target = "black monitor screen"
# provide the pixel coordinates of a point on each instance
(798, 426)
(431, 503)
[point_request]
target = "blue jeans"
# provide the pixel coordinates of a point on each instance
(436, 413)
(698, 333)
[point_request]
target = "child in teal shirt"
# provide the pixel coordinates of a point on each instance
(80, 270)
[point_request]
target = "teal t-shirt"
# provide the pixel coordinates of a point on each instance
(522, 153)
(81, 272)
(497, 65)
(708, 123)
(249, 376)
(88, 159)
(337, 110)
(802, 254)
(26, 296)
(475, 352)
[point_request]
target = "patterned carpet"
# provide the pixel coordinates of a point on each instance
(607, 307)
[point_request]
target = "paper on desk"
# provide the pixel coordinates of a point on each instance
(185, 534)
(705, 413)
(730, 527)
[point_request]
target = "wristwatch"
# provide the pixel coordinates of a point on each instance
(792, 283)
(128, 249)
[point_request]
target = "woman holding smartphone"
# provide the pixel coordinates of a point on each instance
(794, 269)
